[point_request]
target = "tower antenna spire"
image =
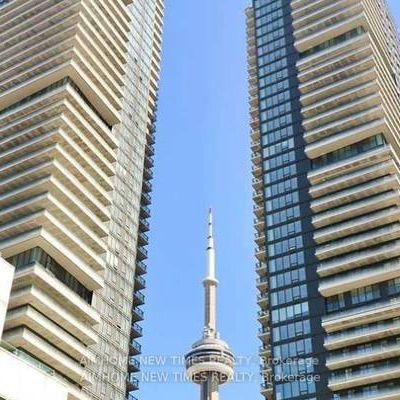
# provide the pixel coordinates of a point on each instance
(210, 285)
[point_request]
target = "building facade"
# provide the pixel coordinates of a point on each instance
(325, 106)
(78, 95)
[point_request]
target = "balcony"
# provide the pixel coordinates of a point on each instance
(355, 193)
(142, 253)
(144, 225)
(362, 315)
(133, 364)
(357, 225)
(348, 122)
(369, 355)
(330, 174)
(148, 162)
(140, 282)
(259, 224)
(377, 394)
(151, 139)
(259, 210)
(137, 314)
(144, 212)
(265, 350)
(264, 334)
(149, 150)
(362, 334)
(256, 157)
(263, 315)
(255, 134)
(267, 390)
(138, 298)
(136, 330)
(259, 238)
(131, 397)
(261, 269)
(262, 282)
(257, 169)
(258, 196)
(146, 199)
(262, 300)
(359, 241)
(148, 174)
(359, 278)
(132, 382)
(143, 239)
(364, 377)
(255, 145)
(261, 253)
(258, 183)
(141, 267)
(356, 209)
(134, 348)
(358, 259)
(147, 186)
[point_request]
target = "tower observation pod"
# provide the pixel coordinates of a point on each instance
(210, 362)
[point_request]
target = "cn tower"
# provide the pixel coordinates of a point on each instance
(210, 363)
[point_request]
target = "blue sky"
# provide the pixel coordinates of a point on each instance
(202, 160)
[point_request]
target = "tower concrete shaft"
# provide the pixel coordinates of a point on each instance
(209, 389)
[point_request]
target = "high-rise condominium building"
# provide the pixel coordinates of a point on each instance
(325, 107)
(78, 94)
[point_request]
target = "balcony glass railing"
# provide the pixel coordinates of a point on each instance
(148, 174)
(147, 186)
(144, 225)
(363, 351)
(134, 362)
(145, 210)
(262, 296)
(349, 375)
(360, 273)
(263, 330)
(133, 380)
(137, 328)
(27, 358)
(140, 281)
(37, 256)
(267, 386)
(144, 237)
(364, 330)
(131, 397)
(150, 149)
(141, 265)
(370, 393)
(146, 197)
(149, 162)
(139, 296)
(334, 42)
(135, 345)
(346, 153)
(138, 312)
(143, 251)
(359, 310)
